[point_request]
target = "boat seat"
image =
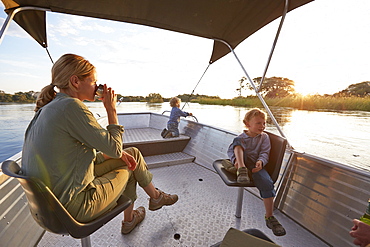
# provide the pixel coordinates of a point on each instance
(51, 215)
(277, 151)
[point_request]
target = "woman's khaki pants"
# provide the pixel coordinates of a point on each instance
(112, 179)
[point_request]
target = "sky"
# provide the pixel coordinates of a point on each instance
(324, 47)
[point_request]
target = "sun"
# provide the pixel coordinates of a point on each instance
(305, 89)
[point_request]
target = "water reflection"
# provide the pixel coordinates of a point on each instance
(154, 106)
(339, 136)
(336, 136)
(14, 119)
(282, 115)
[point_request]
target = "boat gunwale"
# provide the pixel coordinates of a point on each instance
(328, 162)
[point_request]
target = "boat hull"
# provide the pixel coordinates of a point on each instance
(316, 198)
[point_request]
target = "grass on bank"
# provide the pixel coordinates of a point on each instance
(298, 102)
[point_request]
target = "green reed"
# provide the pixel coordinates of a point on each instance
(312, 102)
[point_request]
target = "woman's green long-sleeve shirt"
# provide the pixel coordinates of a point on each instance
(60, 146)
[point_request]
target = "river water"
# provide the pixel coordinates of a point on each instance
(340, 136)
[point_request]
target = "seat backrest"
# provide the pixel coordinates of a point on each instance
(41, 200)
(50, 214)
(277, 152)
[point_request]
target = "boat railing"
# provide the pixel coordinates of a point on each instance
(190, 116)
(324, 196)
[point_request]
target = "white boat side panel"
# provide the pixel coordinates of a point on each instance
(17, 226)
(325, 197)
(207, 143)
(138, 120)
(158, 121)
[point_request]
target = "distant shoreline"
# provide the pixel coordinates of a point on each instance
(312, 102)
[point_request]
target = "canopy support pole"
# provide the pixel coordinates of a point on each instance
(11, 15)
(49, 55)
(259, 96)
(256, 90)
(268, 62)
(6, 24)
(195, 87)
(275, 41)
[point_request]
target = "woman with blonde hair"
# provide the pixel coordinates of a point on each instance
(61, 144)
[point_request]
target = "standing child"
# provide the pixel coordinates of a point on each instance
(250, 151)
(173, 124)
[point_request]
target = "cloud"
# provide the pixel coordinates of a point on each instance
(325, 53)
(19, 64)
(19, 74)
(74, 25)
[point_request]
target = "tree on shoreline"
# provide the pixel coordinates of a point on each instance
(154, 98)
(242, 85)
(19, 97)
(361, 89)
(274, 87)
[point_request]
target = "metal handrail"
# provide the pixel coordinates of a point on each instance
(274, 43)
(269, 59)
(194, 117)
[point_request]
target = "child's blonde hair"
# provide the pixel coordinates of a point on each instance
(174, 101)
(255, 112)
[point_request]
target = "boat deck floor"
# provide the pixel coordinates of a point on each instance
(139, 135)
(201, 217)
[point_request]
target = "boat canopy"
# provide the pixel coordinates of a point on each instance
(230, 21)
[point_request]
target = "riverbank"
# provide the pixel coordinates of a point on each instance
(342, 136)
(312, 102)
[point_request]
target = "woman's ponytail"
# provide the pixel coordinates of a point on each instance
(47, 94)
(61, 72)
